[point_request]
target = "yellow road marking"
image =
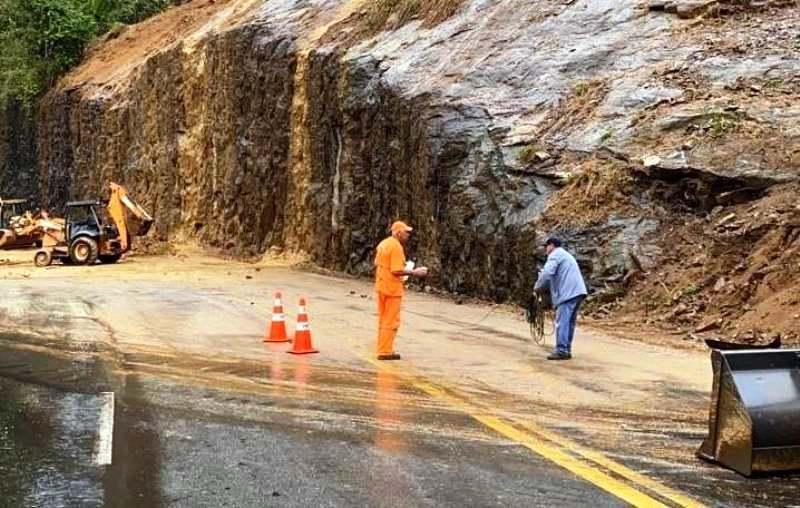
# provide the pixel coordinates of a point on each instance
(557, 456)
(554, 448)
(623, 471)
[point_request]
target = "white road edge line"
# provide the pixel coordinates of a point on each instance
(105, 431)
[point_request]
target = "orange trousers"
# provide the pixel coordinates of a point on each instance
(388, 322)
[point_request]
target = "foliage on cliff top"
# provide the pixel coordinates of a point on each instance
(42, 39)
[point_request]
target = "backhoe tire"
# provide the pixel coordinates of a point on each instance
(83, 251)
(109, 259)
(42, 258)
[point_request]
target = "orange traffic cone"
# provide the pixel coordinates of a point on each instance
(302, 337)
(277, 328)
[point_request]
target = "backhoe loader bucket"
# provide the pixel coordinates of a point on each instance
(754, 421)
(141, 226)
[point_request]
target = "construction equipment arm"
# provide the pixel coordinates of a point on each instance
(117, 203)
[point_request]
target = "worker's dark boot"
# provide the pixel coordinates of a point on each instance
(393, 356)
(559, 356)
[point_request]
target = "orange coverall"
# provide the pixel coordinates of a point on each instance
(390, 257)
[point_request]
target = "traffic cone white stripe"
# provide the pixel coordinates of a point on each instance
(302, 337)
(277, 328)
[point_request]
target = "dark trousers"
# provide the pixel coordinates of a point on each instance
(566, 320)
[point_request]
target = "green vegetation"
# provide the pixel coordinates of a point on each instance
(721, 123)
(581, 88)
(42, 39)
(690, 290)
(527, 153)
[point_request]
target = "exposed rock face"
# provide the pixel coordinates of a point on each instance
(18, 175)
(237, 126)
(246, 143)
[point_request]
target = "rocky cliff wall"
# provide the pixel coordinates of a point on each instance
(249, 125)
(18, 164)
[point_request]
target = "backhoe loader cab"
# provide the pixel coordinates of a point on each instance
(90, 235)
(92, 232)
(87, 237)
(11, 208)
(17, 228)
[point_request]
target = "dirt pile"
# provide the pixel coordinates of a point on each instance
(733, 273)
(120, 52)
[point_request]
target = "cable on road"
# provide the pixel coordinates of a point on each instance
(465, 326)
(535, 314)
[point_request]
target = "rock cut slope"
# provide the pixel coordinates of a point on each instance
(307, 126)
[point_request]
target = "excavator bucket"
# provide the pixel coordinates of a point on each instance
(754, 421)
(142, 220)
(140, 227)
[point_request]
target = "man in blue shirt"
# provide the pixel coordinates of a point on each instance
(567, 291)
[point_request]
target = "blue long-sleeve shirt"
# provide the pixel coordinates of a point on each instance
(562, 274)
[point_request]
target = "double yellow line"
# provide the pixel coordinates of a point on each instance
(560, 451)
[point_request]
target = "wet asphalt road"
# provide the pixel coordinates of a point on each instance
(208, 416)
(46, 443)
(208, 446)
(239, 434)
(208, 462)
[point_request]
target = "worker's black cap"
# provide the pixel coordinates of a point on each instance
(555, 242)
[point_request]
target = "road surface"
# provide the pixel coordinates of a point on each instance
(208, 415)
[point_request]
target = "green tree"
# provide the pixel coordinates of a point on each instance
(42, 39)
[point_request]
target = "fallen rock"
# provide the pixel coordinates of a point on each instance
(708, 325)
(651, 161)
(657, 5)
(694, 8)
(726, 219)
(677, 311)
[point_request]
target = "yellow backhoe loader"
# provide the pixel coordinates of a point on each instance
(90, 232)
(18, 227)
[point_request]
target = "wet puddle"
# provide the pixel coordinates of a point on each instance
(46, 445)
(50, 420)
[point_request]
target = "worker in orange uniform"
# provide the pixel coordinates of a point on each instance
(390, 273)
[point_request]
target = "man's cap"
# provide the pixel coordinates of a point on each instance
(555, 242)
(401, 226)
